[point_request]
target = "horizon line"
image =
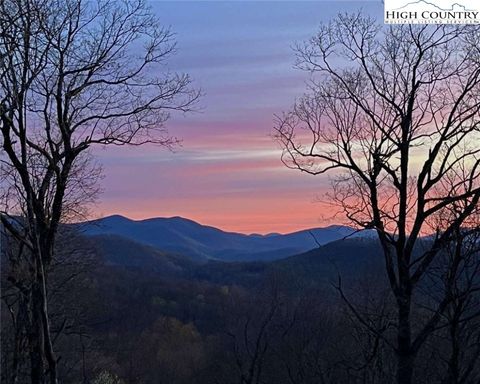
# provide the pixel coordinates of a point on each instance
(266, 233)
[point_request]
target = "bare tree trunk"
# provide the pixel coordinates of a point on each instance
(45, 321)
(42, 340)
(49, 352)
(405, 354)
(36, 338)
(19, 324)
(15, 360)
(405, 368)
(453, 374)
(453, 371)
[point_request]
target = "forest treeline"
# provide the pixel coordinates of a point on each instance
(276, 322)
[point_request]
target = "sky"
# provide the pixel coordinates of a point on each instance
(227, 172)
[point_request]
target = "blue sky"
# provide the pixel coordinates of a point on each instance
(228, 172)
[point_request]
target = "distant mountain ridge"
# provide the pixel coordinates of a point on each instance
(186, 237)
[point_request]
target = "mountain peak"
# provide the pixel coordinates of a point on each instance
(116, 218)
(184, 236)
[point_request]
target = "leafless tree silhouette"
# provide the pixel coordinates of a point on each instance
(73, 74)
(393, 113)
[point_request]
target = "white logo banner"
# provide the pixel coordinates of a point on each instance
(432, 12)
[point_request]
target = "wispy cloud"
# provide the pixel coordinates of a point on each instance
(228, 171)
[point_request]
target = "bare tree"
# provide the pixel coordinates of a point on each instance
(15, 316)
(394, 114)
(457, 273)
(252, 330)
(73, 74)
(69, 313)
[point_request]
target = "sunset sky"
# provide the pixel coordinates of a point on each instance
(228, 171)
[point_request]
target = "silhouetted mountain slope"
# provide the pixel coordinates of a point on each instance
(120, 251)
(186, 237)
(348, 258)
(351, 259)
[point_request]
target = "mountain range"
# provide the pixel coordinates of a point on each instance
(180, 236)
